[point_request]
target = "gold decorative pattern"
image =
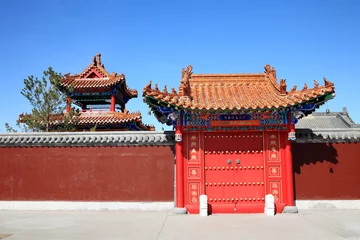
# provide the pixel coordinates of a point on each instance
(194, 149)
(274, 171)
(194, 172)
(273, 148)
(194, 193)
(276, 190)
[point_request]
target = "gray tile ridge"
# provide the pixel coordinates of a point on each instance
(324, 114)
(346, 122)
(70, 139)
(98, 133)
(327, 130)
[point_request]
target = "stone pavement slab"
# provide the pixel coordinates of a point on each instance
(76, 225)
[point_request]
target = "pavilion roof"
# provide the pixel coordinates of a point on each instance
(235, 91)
(108, 117)
(95, 77)
(100, 118)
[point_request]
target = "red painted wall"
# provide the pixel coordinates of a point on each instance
(87, 173)
(321, 171)
(326, 171)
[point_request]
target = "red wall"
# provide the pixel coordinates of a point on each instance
(326, 171)
(87, 173)
(321, 171)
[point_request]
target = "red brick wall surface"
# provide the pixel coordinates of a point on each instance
(141, 173)
(326, 171)
(87, 173)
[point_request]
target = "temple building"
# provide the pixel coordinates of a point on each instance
(233, 137)
(102, 98)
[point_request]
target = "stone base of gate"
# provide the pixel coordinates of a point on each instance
(229, 208)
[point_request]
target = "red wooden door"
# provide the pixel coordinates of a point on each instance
(234, 172)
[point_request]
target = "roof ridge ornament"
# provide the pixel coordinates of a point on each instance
(293, 89)
(328, 83)
(270, 72)
(305, 87)
(184, 89)
(98, 56)
(283, 86)
(147, 87)
(316, 84)
(156, 88)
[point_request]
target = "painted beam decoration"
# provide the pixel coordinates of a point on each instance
(234, 119)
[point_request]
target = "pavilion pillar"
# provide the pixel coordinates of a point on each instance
(112, 105)
(289, 165)
(179, 164)
(68, 104)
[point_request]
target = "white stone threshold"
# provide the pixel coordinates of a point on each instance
(86, 206)
(328, 204)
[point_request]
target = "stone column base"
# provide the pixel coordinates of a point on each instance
(290, 209)
(180, 211)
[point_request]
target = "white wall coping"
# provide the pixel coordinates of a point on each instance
(328, 204)
(86, 206)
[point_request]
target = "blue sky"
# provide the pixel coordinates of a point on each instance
(152, 40)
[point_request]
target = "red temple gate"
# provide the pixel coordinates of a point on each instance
(233, 134)
(234, 169)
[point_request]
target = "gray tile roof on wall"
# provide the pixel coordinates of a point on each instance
(320, 122)
(328, 127)
(326, 120)
(87, 139)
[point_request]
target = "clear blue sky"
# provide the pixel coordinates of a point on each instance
(153, 40)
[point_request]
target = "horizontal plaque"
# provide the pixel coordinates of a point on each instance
(236, 123)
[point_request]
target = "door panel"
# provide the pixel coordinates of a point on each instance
(234, 171)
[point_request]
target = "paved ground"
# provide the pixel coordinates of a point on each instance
(47, 225)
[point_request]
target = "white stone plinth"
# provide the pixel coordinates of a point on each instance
(269, 209)
(203, 205)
